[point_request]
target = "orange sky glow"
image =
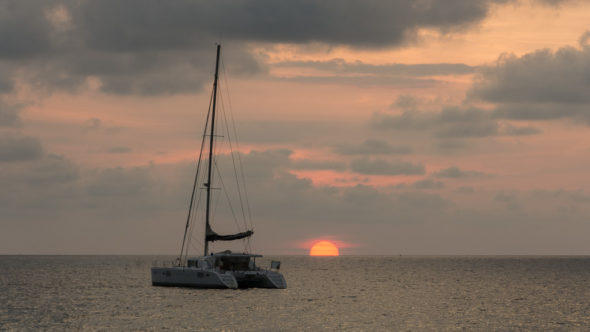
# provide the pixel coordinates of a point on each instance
(424, 144)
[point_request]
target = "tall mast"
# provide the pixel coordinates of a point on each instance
(211, 137)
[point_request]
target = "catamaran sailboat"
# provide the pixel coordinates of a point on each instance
(223, 269)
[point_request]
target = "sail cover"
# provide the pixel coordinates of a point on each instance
(212, 236)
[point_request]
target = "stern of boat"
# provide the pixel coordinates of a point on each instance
(276, 279)
(260, 279)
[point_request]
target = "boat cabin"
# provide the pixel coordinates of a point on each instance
(225, 261)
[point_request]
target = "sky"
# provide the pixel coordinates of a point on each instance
(388, 127)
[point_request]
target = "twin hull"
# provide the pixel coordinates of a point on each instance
(207, 278)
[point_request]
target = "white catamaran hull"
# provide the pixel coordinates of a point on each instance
(198, 278)
(192, 277)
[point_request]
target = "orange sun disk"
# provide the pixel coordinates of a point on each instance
(324, 248)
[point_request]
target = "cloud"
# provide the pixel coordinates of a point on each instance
(510, 130)
(24, 30)
(455, 172)
(455, 130)
(408, 120)
(9, 114)
(451, 122)
(119, 182)
(554, 3)
(370, 23)
(150, 47)
(541, 111)
(39, 173)
(451, 117)
(358, 67)
(571, 196)
(365, 80)
(287, 131)
(15, 149)
(465, 190)
(119, 149)
(540, 85)
(309, 164)
(383, 167)
(405, 102)
(52, 205)
(372, 147)
(509, 199)
(93, 123)
(428, 184)
(542, 76)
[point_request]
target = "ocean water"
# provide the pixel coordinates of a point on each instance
(413, 293)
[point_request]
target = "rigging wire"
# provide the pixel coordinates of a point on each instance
(233, 159)
(225, 191)
(249, 218)
(195, 181)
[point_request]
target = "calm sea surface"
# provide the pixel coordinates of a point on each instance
(341, 293)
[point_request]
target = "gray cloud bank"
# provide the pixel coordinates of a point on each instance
(383, 167)
(455, 172)
(541, 85)
(372, 147)
(163, 47)
(142, 210)
(451, 122)
(13, 149)
(343, 67)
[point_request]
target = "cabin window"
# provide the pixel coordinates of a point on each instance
(234, 263)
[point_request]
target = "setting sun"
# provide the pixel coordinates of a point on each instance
(324, 248)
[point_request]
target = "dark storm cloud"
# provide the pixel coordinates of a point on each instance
(14, 149)
(358, 67)
(372, 147)
(540, 85)
(542, 76)
(384, 167)
(165, 47)
(148, 25)
(24, 29)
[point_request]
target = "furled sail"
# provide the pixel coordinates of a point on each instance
(212, 236)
